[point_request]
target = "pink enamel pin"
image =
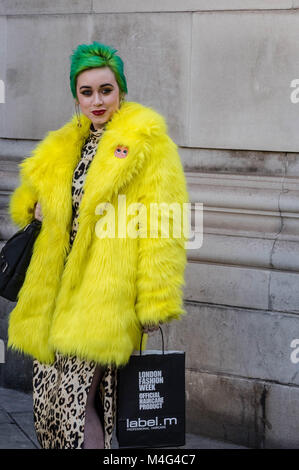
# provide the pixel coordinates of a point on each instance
(121, 151)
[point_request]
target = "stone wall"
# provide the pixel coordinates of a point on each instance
(220, 71)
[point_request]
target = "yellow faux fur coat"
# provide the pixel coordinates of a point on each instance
(91, 300)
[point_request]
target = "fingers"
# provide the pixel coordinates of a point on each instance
(150, 328)
(38, 212)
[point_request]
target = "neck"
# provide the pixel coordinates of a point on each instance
(95, 128)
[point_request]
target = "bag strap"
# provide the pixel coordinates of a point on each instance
(162, 340)
(34, 223)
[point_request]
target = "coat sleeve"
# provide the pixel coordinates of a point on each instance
(21, 203)
(162, 260)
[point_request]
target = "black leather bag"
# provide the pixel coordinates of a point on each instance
(15, 257)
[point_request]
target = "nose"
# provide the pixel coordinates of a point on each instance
(98, 99)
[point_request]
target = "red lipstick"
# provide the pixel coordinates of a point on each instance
(99, 112)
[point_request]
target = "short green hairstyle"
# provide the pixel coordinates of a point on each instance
(88, 56)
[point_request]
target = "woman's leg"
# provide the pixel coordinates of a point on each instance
(93, 428)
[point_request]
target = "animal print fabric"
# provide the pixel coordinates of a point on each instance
(60, 390)
(88, 152)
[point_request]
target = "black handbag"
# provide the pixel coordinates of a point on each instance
(150, 406)
(15, 257)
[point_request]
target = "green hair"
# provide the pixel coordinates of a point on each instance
(88, 56)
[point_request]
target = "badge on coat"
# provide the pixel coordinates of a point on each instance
(121, 151)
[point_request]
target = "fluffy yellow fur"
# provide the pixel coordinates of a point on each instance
(92, 300)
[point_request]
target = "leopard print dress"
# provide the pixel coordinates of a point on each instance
(60, 390)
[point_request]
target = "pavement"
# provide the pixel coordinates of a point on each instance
(17, 428)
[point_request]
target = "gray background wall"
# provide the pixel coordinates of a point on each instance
(220, 72)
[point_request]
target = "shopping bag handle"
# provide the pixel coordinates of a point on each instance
(162, 340)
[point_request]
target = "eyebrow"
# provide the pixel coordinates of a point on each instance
(104, 84)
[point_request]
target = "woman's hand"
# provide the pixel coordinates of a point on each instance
(38, 212)
(149, 328)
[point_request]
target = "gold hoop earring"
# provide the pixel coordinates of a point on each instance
(77, 110)
(121, 101)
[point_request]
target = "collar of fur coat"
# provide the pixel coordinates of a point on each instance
(49, 169)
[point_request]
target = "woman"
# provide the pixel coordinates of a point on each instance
(90, 289)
